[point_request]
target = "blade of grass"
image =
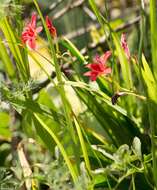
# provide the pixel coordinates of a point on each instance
(142, 33)
(66, 106)
(152, 109)
(60, 146)
(67, 109)
(153, 28)
(115, 129)
(83, 146)
(10, 70)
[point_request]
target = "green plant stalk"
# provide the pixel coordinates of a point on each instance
(66, 105)
(103, 21)
(67, 109)
(153, 28)
(151, 91)
(95, 154)
(60, 146)
(83, 146)
(133, 182)
(153, 123)
(152, 106)
(49, 77)
(142, 33)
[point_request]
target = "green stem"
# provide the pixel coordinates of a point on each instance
(67, 109)
(83, 146)
(153, 27)
(60, 146)
(152, 106)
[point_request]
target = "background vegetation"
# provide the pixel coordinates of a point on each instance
(59, 129)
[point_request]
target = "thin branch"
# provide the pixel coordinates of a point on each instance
(81, 31)
(70, 6)
(103, 38)
(89, 13)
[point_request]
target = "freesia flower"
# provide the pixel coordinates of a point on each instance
(125, 45)
(98, 67)
(50, 26)
(30, 32)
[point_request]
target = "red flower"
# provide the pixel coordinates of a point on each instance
(30, 32)
(99, 66)
(125, 46)
(51, 28)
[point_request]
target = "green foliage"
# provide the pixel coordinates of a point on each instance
(67, 132)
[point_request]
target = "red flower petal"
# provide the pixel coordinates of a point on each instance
(93, 78)
(87, 73)
(39, 29)
(108, 70)
(48, 22)
(31, 43)
(105, 57)
(93, 75)
(96, 67)
(33, 20)
(50, 26)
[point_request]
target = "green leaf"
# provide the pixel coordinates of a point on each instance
(4, 125)
(6, 60)
(5, 119)
(153, 27)
(149, 80)
(47, 135)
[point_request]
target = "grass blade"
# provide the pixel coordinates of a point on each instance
(57, 141)
(153, 27)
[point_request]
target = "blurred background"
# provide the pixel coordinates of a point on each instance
(75, 20)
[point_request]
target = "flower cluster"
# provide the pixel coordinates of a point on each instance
(31, 31)
(99, 67)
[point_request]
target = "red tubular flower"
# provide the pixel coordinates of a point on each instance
(125, 46)
(99, 66)
(30, 32)
(50, 26)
